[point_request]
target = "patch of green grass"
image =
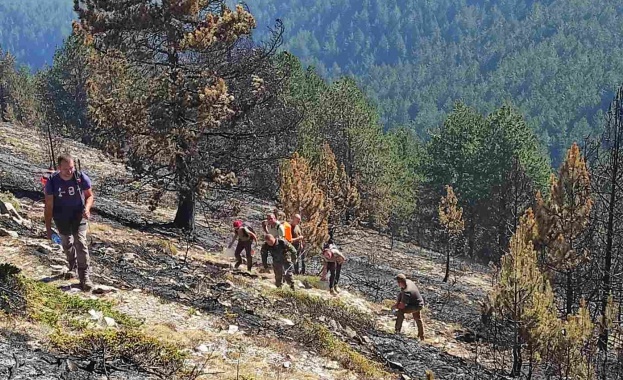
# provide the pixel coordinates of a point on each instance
(142, 350)
(335, 349)
(51, 306)
(75, 335)
(8, 197)
(333, 308)
(312, 281)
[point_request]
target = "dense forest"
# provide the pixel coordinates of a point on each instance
(33, 29)
(556, 60)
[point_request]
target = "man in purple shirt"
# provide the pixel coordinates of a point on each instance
(68, 201)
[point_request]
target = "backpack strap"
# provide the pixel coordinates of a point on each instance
(78, 179)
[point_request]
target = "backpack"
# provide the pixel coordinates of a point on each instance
(247, 226)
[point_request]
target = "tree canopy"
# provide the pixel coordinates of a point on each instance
(556, 60)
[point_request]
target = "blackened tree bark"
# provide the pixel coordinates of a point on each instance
(185, 215)
(607, 165)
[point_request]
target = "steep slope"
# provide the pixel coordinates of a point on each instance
(228, 322)
(557, 60)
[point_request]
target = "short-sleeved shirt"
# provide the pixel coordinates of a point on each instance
(296, 232)
(277, 230)
(67, 200)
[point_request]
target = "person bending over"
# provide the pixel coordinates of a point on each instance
(409, 301)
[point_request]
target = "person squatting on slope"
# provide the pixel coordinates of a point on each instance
(334, 260)
(68, 201)
(409, 301)
(246, 237)
(280, 250)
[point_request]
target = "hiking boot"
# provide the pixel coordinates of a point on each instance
(292, 287)
(69, 275)
(332, 292)
(87, 286)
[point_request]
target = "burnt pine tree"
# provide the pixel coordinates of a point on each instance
(299, 193)
(341, 197)
(562, 218)
(451, 218)
(606, 160)
(202, 97)
(523, 296)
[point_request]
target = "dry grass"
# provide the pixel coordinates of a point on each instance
(8, 197)
(95, 227)
(335, 349)
(168, 334)
(168, 247)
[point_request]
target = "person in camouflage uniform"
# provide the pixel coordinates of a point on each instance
(280, 251)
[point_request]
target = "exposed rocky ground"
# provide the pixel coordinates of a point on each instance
(231, 323)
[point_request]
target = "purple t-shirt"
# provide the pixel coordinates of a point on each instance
(67, 200)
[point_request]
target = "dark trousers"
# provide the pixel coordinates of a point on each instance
(334, 273)
(281, 271)
(300, 256)
(246, 245)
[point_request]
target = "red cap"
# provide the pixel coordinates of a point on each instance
(237, 223)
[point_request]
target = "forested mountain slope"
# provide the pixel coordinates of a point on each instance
(557, 60)
(32, 29)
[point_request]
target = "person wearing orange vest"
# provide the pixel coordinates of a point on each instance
(287, 227)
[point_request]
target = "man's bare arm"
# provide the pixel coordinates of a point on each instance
(88, 202)
(233, 239)
(265, 226)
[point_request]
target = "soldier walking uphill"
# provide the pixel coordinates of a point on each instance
(246, 237)
(409, 301)
(68, 201)
(280, 251)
